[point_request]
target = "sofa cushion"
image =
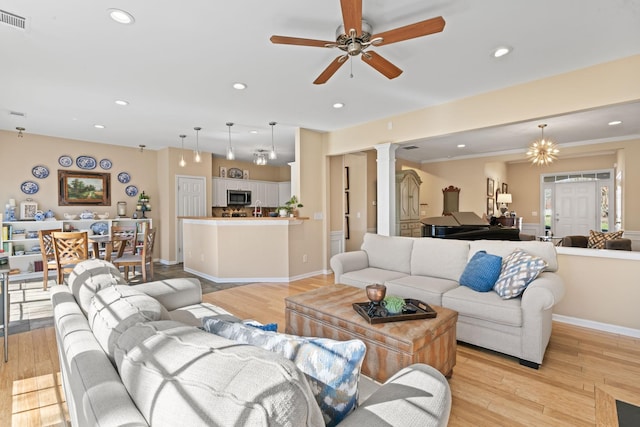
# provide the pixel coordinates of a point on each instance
(115, 309)
(518, 270)
(482, 271)
(597, 239)
(193, 314)
(89, 276)
(332, 367)
(423, 288)
(439, 258)
(388, 252)
(486, 306)
(544, 250)
(179, 375)
(367, 276)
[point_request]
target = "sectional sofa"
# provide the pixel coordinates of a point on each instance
(137, 356)
(429, 269)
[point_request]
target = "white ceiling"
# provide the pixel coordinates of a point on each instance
(177, 63)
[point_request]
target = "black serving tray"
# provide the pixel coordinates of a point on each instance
(422, 311)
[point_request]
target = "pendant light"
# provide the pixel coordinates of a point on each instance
(541, 151)
(272, 153)
(230, 155)
(182, 163)
(196, 154)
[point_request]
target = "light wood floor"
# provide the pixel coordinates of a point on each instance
(488, 389)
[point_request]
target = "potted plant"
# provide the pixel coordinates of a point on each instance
(292, 205)
(394, 304)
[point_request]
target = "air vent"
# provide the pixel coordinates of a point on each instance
(410, 147)
(12, 20)
(16, 113)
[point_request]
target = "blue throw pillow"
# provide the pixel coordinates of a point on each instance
(332, 367)
(270, 327)
(481, 272)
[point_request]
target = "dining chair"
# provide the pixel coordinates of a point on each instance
(130, 232)
(48, 254)
(139, 259)
(70, 248)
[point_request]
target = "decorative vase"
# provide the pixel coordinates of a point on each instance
(283, 213)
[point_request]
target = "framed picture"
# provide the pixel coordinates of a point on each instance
(346, 202)
(346, 177)
(84, 188)
(505, 188)
(490, 185)
(28, 209)
(223, 172)
(490, 205)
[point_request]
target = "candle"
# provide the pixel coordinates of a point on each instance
(12, 202)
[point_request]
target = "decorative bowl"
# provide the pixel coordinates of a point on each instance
(273, 214)
(376, 292)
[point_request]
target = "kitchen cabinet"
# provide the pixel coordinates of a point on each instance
(268, 192)
(408, 204)
(284, 192)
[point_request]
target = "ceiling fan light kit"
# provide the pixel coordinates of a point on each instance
(542, 151)
(355, 36)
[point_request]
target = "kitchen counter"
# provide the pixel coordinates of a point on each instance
(248, 249)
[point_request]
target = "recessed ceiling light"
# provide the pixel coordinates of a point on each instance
(615, 122)
(98, 126)
(338, 105)
(253, 132)
(461, 145)
(239, 86)
(501, 51)
(121, 16)
(122, 102)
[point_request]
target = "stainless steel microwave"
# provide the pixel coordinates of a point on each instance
(238, 197)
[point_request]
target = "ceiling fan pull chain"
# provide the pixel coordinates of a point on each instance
(351, 65)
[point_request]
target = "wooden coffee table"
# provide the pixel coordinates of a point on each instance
(327, 312)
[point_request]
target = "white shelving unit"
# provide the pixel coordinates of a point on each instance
(29, 243)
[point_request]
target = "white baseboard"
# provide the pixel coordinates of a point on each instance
(605, 327)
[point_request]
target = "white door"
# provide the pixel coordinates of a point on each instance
(575, 208)
(192, 201)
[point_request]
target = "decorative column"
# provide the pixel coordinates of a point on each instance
(386, 198)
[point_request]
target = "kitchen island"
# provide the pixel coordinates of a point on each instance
(250, 249)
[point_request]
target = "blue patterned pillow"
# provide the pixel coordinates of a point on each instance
(332, 367)
(481, 272)
(272, 327)
(518, 270)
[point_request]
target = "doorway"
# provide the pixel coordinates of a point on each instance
(191, 200)
(577, 202)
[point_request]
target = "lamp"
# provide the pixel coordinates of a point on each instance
(272, 153)
(260, 157)
(196, 154)
(542, 151)
(182, 163)
(230, 155)
(504, 199)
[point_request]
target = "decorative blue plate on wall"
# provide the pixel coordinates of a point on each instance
(86, 162)
(40, 172)
(124, 177)
(105, 164)
(29, 187)
(131, 190)
(65, 161)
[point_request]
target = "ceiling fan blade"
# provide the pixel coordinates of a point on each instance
(330, 70)
(381, 65)
(419, 29)
(300, 42)
(352, 15)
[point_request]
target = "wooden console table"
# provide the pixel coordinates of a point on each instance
(510, 221)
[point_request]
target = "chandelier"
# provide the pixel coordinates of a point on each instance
(542, 151)
(260, 157)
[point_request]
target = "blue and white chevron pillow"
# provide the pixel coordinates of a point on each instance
(519, 269)
(332, 367)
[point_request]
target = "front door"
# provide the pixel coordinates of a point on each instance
(191, 201)
(575, 208)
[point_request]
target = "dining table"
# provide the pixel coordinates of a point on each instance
(98, 239)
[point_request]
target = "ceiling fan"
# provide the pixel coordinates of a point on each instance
(355, 37)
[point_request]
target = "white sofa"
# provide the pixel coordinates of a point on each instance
(428, 269)
(121, 366)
